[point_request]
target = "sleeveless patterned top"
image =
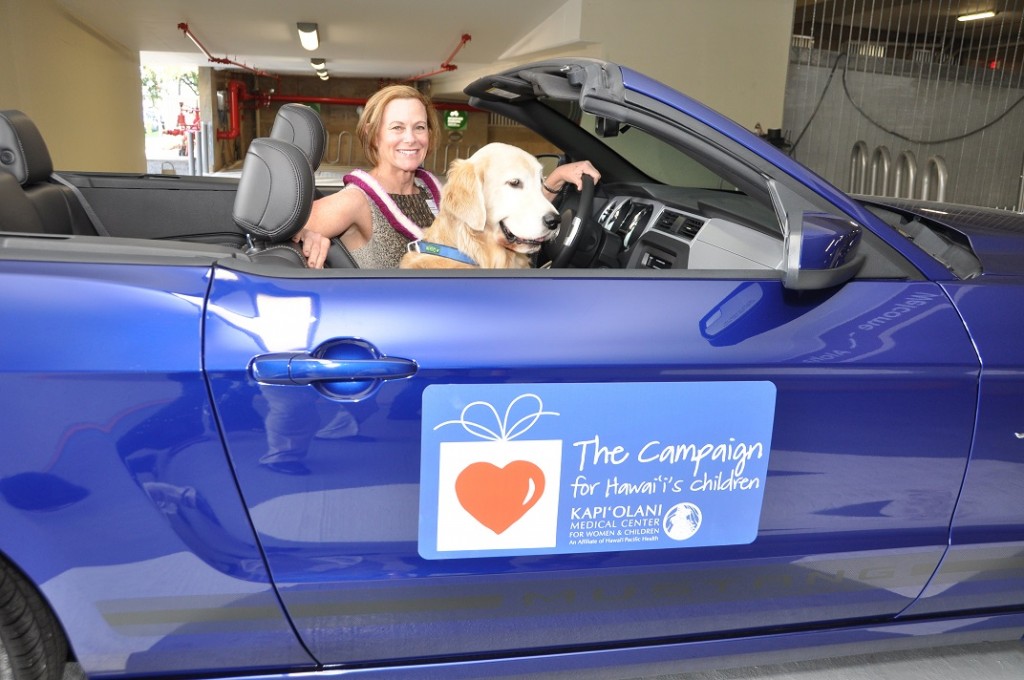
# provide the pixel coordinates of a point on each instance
(386, 246)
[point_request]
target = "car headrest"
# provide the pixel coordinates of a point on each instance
(301, 125)
(23, 152)
(275, 192)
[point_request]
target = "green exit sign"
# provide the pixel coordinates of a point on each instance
(455, 120)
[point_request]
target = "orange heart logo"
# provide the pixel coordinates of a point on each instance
(498, 497)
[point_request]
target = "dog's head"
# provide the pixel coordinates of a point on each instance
(497, 193)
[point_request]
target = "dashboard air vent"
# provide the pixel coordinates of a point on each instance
(667, 220)
(678, 223)
(690, 226)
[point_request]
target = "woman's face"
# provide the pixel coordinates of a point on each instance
(404, 137)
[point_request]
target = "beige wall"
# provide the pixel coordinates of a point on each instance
(730, 54)
(83, 91)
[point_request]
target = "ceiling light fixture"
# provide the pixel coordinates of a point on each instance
(318, 64)
(308, 35)
(323, 75)
(977, 15)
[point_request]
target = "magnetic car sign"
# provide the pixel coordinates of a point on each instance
(528, 469)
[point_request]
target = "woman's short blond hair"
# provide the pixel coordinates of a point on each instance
(372, 118)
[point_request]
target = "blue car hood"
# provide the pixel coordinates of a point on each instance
(996, 236)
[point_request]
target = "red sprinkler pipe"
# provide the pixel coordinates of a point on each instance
(237, 90)
(447, 64)
(221, 60)
(342, 101)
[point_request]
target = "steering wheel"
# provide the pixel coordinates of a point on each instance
(563, 246)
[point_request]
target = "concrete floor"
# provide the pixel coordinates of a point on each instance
(990, 661)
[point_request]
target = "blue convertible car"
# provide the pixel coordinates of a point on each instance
(735, 415)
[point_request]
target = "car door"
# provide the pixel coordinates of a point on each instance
(476, 463)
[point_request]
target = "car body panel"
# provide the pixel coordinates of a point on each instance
(730, 655)
(112, 495)
(340, 529)
(996, 236)
(983, 567)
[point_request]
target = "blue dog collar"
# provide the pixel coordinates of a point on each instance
(440, 250)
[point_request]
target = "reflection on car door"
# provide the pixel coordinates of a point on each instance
(870, 425)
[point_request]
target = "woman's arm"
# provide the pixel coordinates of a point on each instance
(571, 173)
(345, 213)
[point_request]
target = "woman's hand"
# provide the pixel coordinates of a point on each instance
(314, 247)
(571, 173)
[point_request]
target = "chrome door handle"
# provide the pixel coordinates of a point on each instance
(300, 368)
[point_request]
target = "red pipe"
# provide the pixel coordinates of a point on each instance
(447, 64)
(343, 101)
(304, 99)
(234, 86)
(237, 90)
(221, 60)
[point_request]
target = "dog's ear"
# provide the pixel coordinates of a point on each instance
(463, 198)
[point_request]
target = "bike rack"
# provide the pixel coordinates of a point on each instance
(935, 174)
(905, 177)
(858, 167)
(449, 147)
(881, 164)
(873, 179)
(341, 138)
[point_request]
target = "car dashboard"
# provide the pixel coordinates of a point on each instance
(659, 227)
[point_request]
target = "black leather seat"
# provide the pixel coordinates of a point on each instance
(275, 196)
(300, 125)
(24, 155)
(18, 214)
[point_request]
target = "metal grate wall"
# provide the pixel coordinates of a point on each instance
(899, 98)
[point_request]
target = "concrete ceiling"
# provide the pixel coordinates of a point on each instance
(932, 19)
(395, 39)
(403, 39)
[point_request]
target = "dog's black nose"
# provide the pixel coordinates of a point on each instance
(552, 220)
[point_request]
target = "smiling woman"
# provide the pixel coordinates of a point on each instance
(389, 206)
(380, 212)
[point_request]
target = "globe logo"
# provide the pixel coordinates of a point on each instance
(682, 521)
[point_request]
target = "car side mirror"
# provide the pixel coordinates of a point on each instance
(821, 252)
(820, 248)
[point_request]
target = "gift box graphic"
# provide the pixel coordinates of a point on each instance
(499, 491)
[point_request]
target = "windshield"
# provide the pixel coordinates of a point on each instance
(656, 159)
(651, 155)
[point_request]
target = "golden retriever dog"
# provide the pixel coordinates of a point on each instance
(493, 214)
